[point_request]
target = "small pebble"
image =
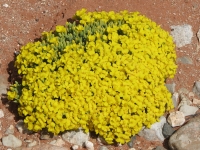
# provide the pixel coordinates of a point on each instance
(89, 145)
(5, 5)
(75, 147)
(1, 113)
(31, 144)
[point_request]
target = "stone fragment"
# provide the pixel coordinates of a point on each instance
(198, 35)
(3, 84)
(103, 148)
(182, 34)
(22, 128)
(101, 140)
(188, 110)
(89, 145)
(183, 91)
(75, 147)
(1, 113)
(191, 95)
(45, 135)
(58, 142)
(131, 142)
(77, 137)
(184, 101)
(196, 101)
(11, 141)
(187, 136)
(10, 130)
(5, 5)
(196, 88)
(176, 118)
(167, 130)
(175, 99)
(185, 60)
(31, 144)
(155, 132)
(171, 87)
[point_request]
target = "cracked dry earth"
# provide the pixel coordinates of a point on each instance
(23, 21)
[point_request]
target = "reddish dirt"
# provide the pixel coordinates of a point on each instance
(23, 21)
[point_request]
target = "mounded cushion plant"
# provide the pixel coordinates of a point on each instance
(105, 72)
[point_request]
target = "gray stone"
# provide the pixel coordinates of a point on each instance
(187, 137)
(188, 110)
(101, 140)
(45, 135)
(103, 148)
(171, 87)
(155, 132)
(185, 60)
(182, 34)
(131, 142)
(3, 84)
(22, 128)
(11, 141)
(196, 88)
(75, 137)
(175, 99)
(167, 130)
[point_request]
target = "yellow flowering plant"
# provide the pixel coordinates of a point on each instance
(105, 72)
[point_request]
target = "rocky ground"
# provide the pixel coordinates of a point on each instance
(23, 21)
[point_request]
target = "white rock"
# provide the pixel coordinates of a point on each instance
(75, 147)
(76, 137)
(176, 118)
(10, 130)
(196, 101)
(1, 113)
(155, 132)
(89, 145)
(11, 141)
(58, 142)
(5, 5)
(182, 34)
(31, 144)
(188, 110)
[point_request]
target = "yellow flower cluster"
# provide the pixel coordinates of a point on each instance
(105, 74)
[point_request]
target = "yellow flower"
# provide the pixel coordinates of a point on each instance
(60, 29)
